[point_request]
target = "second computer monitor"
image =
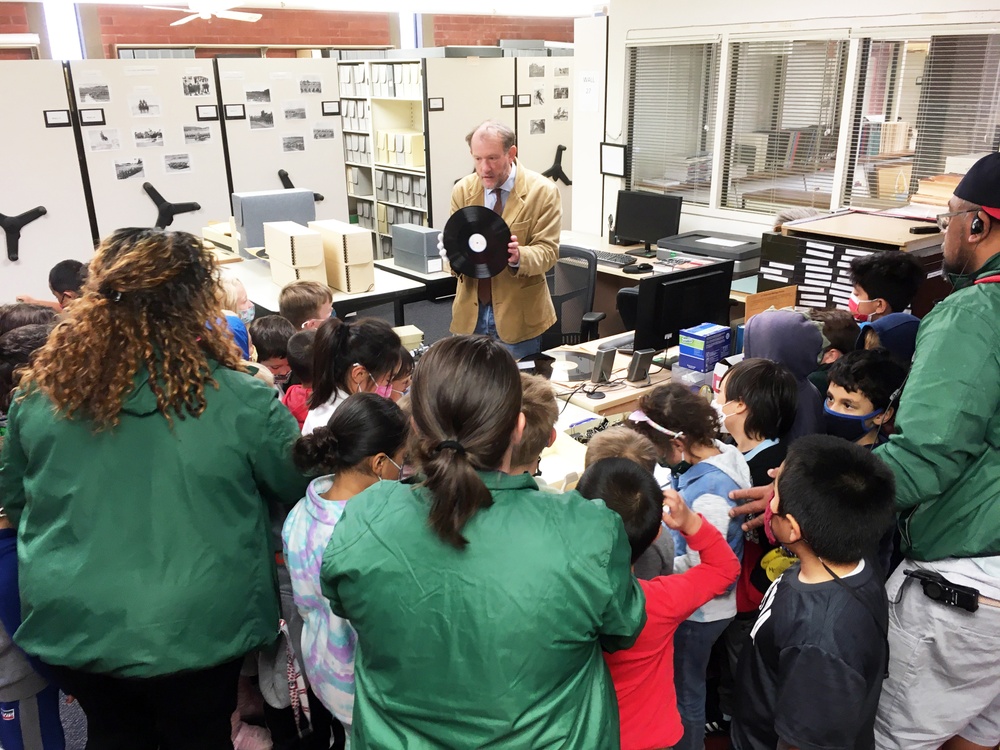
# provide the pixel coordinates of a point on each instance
(646, 217)
(671, 302)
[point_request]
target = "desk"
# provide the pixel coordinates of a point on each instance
(619, 398)
(389, 287)
(438, 284)
(610, 279)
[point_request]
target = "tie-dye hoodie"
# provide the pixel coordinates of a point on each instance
(327, 641)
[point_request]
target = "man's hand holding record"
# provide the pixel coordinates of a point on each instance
(476, 240)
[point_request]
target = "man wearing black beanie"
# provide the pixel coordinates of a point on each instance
(944, 673)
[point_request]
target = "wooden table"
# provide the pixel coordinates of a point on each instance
(389, 287)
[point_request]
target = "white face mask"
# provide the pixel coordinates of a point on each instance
(720, 410)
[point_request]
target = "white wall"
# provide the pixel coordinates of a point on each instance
(637, 21)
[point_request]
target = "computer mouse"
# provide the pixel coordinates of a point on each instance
(638, 268)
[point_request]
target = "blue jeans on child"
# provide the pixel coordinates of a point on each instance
(32, 723)
(486, 325)
(693, 643)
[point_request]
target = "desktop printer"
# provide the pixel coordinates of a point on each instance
(745, 251)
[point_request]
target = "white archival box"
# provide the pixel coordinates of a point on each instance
(295, 252)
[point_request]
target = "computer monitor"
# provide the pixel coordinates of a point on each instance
(682, 299)
(646, 217)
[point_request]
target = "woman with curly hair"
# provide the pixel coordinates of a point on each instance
(137, 467)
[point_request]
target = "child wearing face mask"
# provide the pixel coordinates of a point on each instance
(859, 396)
(683, 426)
(403, 376)
(359, 356)
(884, 283)
(270, 335)
(363, 443)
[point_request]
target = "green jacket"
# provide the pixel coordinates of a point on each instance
(498, 645)
(946, 450)
(146, 550)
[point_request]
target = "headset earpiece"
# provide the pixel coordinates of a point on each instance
(977, 226)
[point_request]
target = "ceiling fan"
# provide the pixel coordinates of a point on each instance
(205, 10)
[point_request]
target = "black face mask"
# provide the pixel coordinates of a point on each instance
(676, 469)
(847, 426)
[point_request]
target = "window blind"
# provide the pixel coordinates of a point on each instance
(784, 104)
(671, 116)
(926, 110)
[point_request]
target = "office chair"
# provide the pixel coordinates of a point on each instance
(571, 284)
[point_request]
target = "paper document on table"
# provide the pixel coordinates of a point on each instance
(720, 242)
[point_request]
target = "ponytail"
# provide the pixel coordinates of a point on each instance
(466, 397)
(365, 425)
(340, 345)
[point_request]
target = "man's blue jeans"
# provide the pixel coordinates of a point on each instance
(486, 326)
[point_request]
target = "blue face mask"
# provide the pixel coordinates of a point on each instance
(848, 426)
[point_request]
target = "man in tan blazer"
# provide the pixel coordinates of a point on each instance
(514, 306)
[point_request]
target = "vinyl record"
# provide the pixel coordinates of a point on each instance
(476, 240)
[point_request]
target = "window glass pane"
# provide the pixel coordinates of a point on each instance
(929, 108)
(781, 131)
(672, 92)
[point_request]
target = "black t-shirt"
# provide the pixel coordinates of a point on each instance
(769, 458)
(812, 672)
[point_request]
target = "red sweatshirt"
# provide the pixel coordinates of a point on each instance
(644, 674)
(296, 398)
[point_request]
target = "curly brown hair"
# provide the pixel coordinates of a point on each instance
(149, 302)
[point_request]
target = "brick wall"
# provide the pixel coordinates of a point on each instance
(488, 30)
(14, 20)
(125, 25)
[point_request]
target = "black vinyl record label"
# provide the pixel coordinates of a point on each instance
(476, 240)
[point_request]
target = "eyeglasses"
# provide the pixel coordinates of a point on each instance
(944, 219)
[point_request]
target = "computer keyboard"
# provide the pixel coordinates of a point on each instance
(619, 260)
(624, 343)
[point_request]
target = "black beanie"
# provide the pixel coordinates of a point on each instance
(981, 185)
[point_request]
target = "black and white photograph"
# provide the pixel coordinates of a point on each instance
(173, 163)
(103, 139)
(294, 110)
(145, 106)
(536, 127)
(125, 170)
(323, 132)
(538, 95)
(561, 114)
(197, 86)
(536, 70)
(148, 138)
(562, 72)
(94, 93)
(261, 119)
(197, 133)
(258, 94)
(293, 143)
(310, 85)
(560, 92)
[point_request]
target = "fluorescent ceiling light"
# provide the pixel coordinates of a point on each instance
(63, 28)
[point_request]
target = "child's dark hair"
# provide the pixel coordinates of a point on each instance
(770, 393)
(630, 491)
(365, 425)
(406, 363)
(890, 275)
(465, 400)
(21, 314)
(841, 494)
(300, 354)
(270, 335)
(341, 344)
(677, 408)
(839, 328)
(16, 348)
(68, 276)
(874, 373)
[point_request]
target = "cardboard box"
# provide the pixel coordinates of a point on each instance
(295, 253)
(350, 262)
(702, 346)
(415, 239)
(416, 261)
(251, 210)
